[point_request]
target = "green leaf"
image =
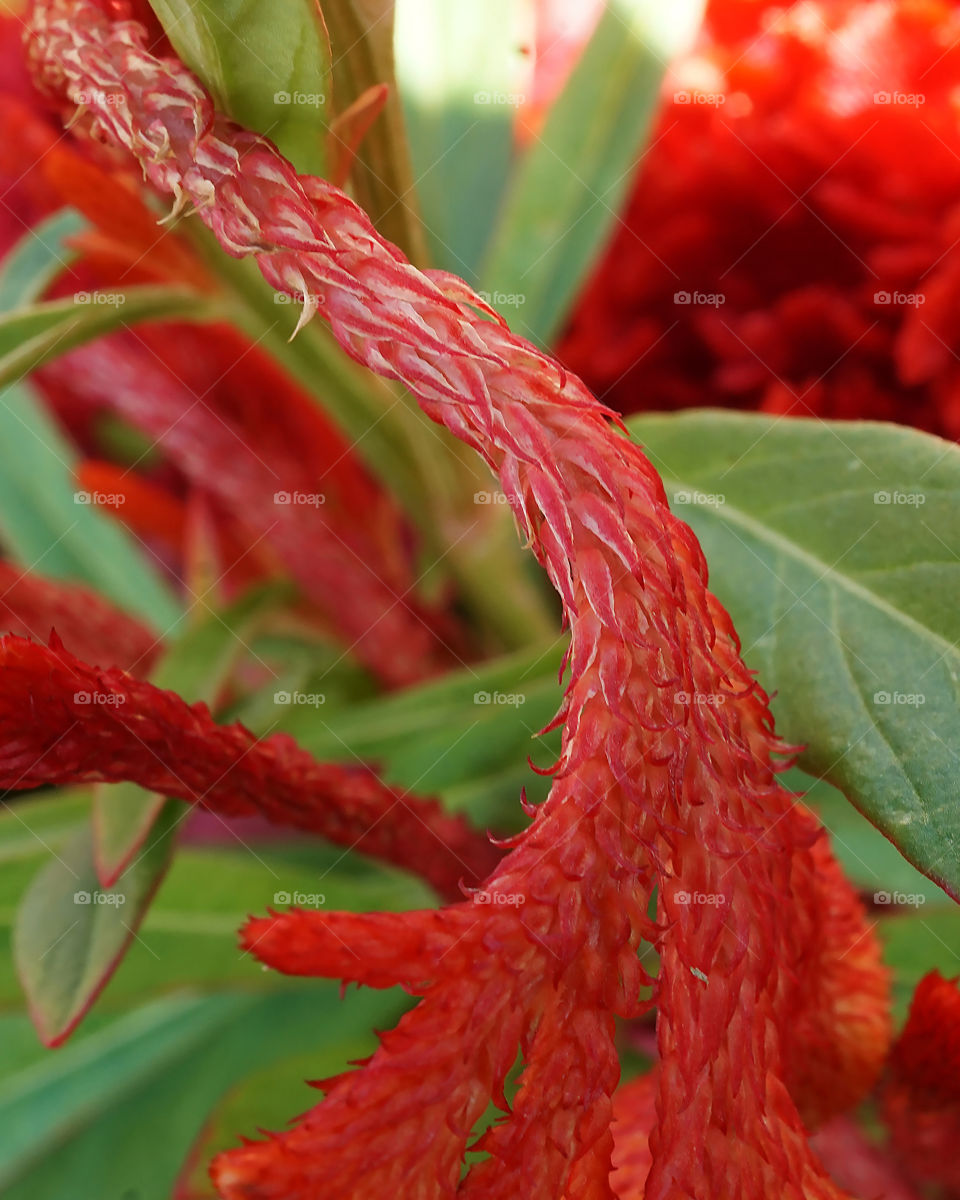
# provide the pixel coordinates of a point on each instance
(381, 177)
(465, 736)
(47, 528)
(835, 548)
(188, 936)
(69, 934)
(195, 666)
(267, 65)
(31, 336)
(567, 192)
(457, 64)
(121, 1108)
(917, 942)
(37, 259)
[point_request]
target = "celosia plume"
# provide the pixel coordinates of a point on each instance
(89, 626)
(237, 427)
(666, 775)
(790, 242)
(921, 1092)
(66, 721)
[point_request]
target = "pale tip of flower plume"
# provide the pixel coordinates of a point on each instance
(179, 204)
(306, 314)
(79, 112)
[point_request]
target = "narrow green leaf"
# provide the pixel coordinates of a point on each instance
(466, 736)
(836, 548)
(188, 937)
(120, 1109)
(267, 65)
(458, 66)
(567, 191)
(31, 336)
(69, 934)
(381, 178)
(47, 526)
(36, 260)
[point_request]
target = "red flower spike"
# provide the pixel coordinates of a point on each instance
(238, 428)
(864, 1169)
(831, 128)
(634, 1116)
(88, 625)
(64, 721)
(666, 773)
(921, 1094)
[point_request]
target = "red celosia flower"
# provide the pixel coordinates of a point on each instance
(237, 427)
(89, 626)
(921, 1094)
(791, 240)
(666, 775)
(65, 721)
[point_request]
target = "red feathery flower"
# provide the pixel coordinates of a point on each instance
(921, 1093)
(791, 240)
(237, 428)
(65, 721)
(666, 774)
(90, 627)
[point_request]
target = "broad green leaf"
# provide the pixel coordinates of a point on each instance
(836, 548)
(36, 260)
(459, 66)
(70, 934)
(869, 860)
(120, 1109)
(33, 335)
(567, 191)
(267, 65)
(47, 526)
(195, 666)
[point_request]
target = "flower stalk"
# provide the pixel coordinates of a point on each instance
(666, 777)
